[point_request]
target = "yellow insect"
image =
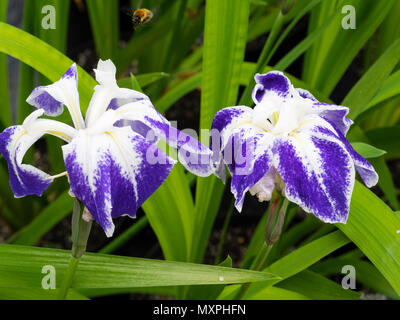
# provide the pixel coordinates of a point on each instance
(141, 16)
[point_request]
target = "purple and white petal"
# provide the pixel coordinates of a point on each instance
(53, 97)
(193, 155)
(363, 167)
(223, 123)
(305, 94)
(16, 140)
(273, 83)
(248, 158)
(318, 173)
(335, 114)
(24, 179)
(114, 173)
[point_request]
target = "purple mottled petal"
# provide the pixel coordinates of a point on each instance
(363, 167)
(223, 123)
(114, 173)
(193, 155)
(24, 179)
(248, 158)
(335, 114)
(196, 157)
(51, 98)
(305, 94)
(275, 83)
(318, 175)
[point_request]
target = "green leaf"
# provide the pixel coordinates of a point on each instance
(47, 219)
(268, 293)
(389, 89)
(366, 273)
(317, 287)
(295, 262)
(306, 43)
(178, 92)
(20, 267)
(373, 227)
(144, 79)
(104, 20)
(5, 115)
(43, 58)
(366, 88)
(338, 47)
(225, 32)
(37, 294)
(170, 213)
(223, 53)
(367, 151)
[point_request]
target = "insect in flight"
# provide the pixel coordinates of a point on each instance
(141, 16)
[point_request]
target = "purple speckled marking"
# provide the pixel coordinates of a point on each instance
(112, 186)
(225, 117)
(222, 119)
(335, 114)
(72, 72)
(246, 167)
(44, 101)
(41, 99)
(30, 182)
(113, 104)
(241, 183)
(275, 82)
(195, 156)
(303, 186)
(305, 94)
(363, 167)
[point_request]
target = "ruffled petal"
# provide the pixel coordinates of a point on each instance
(248, 158)
(273, 83)
(16, 140)
(223, 123)
(107, 94)
(318, 173)
(193, 155)
(335, 114)
(114, 173)
(363, 167)
(51, 98)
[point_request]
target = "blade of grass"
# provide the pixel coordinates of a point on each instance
(366, 88)
(20, 267)
(373, 227)
(223, 53)
(104, 19)
(5, 116)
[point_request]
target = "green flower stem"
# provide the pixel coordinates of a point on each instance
(262, 256)
(80, 235)
(274, 226)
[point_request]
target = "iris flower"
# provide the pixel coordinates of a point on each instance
(293, 142)
(111, 159)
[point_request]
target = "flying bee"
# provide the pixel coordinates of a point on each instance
(141, 16)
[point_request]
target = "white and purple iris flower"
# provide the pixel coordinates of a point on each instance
(111, 168)
(293, 142)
